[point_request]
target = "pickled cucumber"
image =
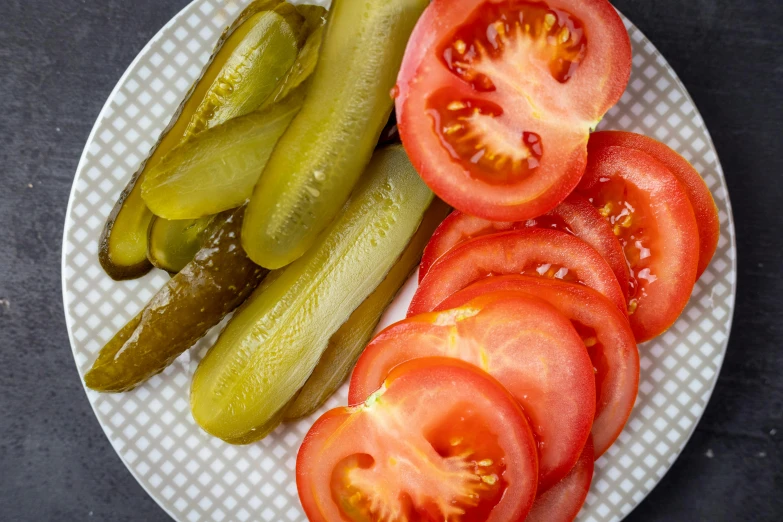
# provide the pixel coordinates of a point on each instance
(302, 68)
(216, 170)
(218, 280)
(254, 70)
(325, 149)
(274, 341)
(123, 243)
(349, 341)
(172, 244)
(291, 87)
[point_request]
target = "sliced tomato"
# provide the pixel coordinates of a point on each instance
(529, 251)
(651, 215)
(495, 100)
(698, 193)
(575, 215)
(604, 331)
(563, 501)
(440, 440)
(457, 228)
(522, 341)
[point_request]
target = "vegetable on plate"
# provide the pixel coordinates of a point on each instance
(696, 189)
(272, 344)
(249, 60)
(173, 243)
(217, 169)
(529, 251)
(496, 100)
(575, 215)
(320, 157)
(218, 280)
(652, 217)
(605, 332)
(440, 440)
(347, 343)
(522, 341)
(562, 502)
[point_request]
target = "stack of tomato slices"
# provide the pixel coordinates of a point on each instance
(517, 365)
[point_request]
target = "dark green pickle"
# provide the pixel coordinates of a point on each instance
(218, 280)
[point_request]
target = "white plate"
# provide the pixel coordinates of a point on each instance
(196, 477)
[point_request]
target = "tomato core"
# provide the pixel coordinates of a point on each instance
(490, 51)
(470, 457)
(514, 33)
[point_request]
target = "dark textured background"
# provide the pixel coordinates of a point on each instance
(59, 60)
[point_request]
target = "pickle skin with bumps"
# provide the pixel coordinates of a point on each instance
(218, 280)
(274, 341)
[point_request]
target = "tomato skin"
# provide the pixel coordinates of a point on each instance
(698, 193)
(457, 228)
(570, 109)
(614, 354)
(519, 339)
(513, 252)
(563, 501)
(409, 393)
(575, 215)
(660, 236)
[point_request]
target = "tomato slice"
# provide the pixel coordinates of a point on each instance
(698, 193)
(562, 502)
(604, 331)
(440, 440)
(522, 341)
(652, 217)
(457, 228)
(495, 100)
(529, 251)
(575, 215)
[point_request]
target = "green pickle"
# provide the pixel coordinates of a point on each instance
(278, 110)
(319, 158)
(172, 244)
(254, 70)
(123, 243)
(347, 344)
(301, 70)
(272, 344)
(218, 280)
(216, 170)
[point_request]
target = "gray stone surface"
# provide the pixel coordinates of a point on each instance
(59, 59)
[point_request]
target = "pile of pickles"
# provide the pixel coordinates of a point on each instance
(274, 193)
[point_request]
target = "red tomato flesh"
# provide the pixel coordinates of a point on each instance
(698, 193)
(562, 502)
(495, 100)
(651, 215)
(439, 440)
(575, 216)
(604, 331)
(530, 251)
(522, 341)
